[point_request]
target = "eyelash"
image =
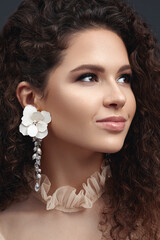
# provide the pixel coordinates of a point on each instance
(95, 79)
(87, 75)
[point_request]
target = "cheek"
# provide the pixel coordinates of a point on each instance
(131, 104)
(71, 112)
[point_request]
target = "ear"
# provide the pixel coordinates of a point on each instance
(26, 94)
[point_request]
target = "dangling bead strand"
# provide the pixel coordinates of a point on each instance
(37, 157)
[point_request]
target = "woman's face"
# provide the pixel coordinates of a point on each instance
(92, 83)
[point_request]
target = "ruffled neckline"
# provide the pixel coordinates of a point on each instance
(66, 199)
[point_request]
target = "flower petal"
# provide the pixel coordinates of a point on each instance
(29, 110)
(23, 129)
(47, 116)
(26, 121)
(32, 130)
(41, 135)
(42, 126)
(27, 114)
(37, 116)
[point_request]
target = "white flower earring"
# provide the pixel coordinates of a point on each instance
(34, 124)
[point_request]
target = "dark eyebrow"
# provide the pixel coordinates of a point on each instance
(125, 67)
(89, 66)
(99, 68)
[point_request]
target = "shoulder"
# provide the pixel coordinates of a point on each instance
(2, 227)
(12, 219)
(1, 237)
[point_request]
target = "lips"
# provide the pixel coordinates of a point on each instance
(114, 123)
(113, 119)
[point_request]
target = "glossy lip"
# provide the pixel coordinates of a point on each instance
(115, 123)
(112, 119)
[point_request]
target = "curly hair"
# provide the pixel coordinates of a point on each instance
(31, 45)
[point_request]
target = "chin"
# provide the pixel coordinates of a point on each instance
(112, 150)
(110, 147)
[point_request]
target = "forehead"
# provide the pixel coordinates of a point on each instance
(95, 45)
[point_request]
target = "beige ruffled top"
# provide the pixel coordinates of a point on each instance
(70, 215)
(66, 199)
(65, 220)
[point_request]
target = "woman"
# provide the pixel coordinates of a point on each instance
(80, 123)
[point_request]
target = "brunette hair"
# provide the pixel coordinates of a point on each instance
(31, 45)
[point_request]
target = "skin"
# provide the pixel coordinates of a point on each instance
(74, 147)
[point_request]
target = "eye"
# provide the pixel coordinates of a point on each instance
(88, 77)
(125, 78)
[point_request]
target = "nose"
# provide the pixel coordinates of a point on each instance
(114, 96)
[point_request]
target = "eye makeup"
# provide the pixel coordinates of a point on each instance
(126, 77)
(87, 77)
(91, 77)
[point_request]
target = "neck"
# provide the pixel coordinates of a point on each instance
(67, 164)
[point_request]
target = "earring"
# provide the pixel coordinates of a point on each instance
(34, 124)
(37, 157)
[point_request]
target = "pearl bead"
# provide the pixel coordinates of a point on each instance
(38, 176)
(34, 156)
(38, 162)
(35, 144)
(37, 187)
(35, 149)
(38, 157)
(39, 151)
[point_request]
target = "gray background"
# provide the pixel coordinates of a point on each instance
(148, 9)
